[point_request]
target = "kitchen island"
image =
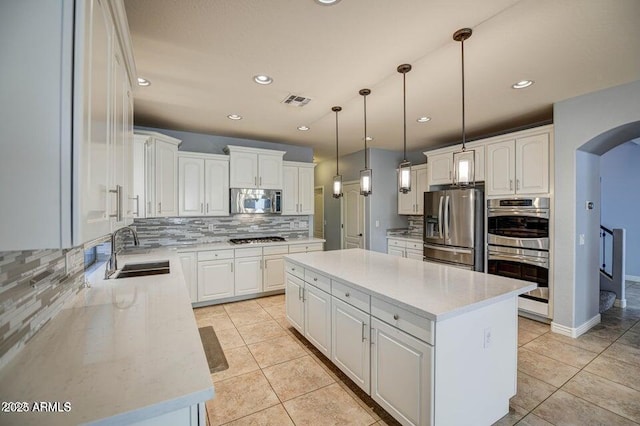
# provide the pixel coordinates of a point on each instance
(122, 351)
(432, 344)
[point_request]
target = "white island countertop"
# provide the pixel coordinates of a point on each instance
(121, 351)
(431, 290)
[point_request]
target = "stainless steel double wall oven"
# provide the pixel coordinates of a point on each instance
(518, 243)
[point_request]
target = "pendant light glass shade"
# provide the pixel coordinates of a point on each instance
(337, 179)
(366, 178)
(404, 169)
(464, 160)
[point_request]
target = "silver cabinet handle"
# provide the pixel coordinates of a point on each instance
(265, 263)
(293, 269)
(201, 207)
(137, 198)
(510, 184)
(517, 183)
(299, 296)
(315, 279)
(396, 317)
(231, 265)
(118, 192)
(303, 299)
(149, 207)
(207, 207)
(159, 207)
(364, 337)
(372, 332)
(347, 294)
(260, 180)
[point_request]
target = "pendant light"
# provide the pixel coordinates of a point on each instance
(404, 169)
(337, 179)
(365, 175)
(464, 160)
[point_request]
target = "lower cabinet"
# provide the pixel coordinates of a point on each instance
(350, 342)
(273, 273)
(395, 251)
(401, 374)
(215, 279)
(414, 254)
(294, 305)
(317, 318)
(248, 275)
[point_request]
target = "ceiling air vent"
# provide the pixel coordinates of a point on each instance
(296, 100)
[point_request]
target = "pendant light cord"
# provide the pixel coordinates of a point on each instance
(366, 161)
(404, 104)
(464, 136)
(337, 169)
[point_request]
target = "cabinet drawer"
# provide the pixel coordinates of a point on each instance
(293, 269)
(415, 325)
(215, 255)
(304, 248)
(249, 252)
(415, 246)
(275, 250)
(396, 243)
(318, 280)
(350, 295)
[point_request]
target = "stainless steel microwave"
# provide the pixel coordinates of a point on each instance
(256, 201)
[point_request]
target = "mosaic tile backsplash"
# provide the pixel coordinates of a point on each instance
(416, 226)
(168, 231)
(34, 285)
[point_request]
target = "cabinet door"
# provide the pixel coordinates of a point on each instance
(350, 342)
(414, 254)
(479, 157)
(216, 185)
(395, 251)
(305, 190)
(290, 190)
(317, 318)
(190, 186)
(189, 265)
(215, 279)
(440, 169)
(401, 374)
(166, 179)
(293, 302)
(532, 164)
(270, 171)
(273, 273)
(118, 146)
(130, 202)
(500, 168)
(138, 177)
(407, 202)
(421, 186)
(248, 275)
(243, 170)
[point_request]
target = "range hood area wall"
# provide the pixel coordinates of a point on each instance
(212, 144)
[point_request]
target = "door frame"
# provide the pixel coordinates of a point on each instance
(321, 188)
(363, 216)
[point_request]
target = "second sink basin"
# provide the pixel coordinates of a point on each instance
(130, 270)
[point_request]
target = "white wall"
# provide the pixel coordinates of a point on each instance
(583, 122)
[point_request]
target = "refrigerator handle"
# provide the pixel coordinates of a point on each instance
(440, 218)
(446, 218)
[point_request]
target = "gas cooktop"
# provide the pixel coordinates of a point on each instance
(254, 240)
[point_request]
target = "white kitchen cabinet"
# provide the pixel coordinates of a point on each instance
(137, 195)
(305, 248)
(317, 318)
(518, 166)
(401, 374)
(411, 249)
(248, 275)
(255, 168)
(215, 279)
(161, 179)
(203, 185)
(350, 342)
(412, 202)
(297, 190)
(414, 254)
(189, 263)
(440, 168)
(395, 251)
(294, 303)
(273, 278)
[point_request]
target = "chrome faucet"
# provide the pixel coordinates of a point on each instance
(112, 263)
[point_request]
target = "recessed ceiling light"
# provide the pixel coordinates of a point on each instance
(303, 128)
(327, 2)
(262, 79)
(143, 82)
(522, 84)
(234, 117)
(423, 119)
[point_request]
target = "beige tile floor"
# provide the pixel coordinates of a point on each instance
(276, 377)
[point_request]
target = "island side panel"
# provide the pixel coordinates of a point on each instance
(476, 365)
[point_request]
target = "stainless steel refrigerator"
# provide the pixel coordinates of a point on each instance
(454, 227)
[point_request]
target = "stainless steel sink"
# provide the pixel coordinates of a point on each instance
(130, 270)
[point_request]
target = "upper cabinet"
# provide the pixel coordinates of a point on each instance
(413, 201)
(441, 169)
(519, 166)
(255, 168)
(75, 163)
(203, 184)
(297, 191)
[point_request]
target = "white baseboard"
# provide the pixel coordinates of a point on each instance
(633, 278)
(577, 331)
(620, 303)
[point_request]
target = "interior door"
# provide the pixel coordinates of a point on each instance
(352, 217)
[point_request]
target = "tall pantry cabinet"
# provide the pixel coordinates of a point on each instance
(67, 110)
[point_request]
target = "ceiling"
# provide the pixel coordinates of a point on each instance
(201, 56)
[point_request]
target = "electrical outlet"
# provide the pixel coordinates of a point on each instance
(487, 338)
(377, 224)
(581, 239)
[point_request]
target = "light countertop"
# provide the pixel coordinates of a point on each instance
(119, 352)
(406, 237)
(227, 245)
(431, 290)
